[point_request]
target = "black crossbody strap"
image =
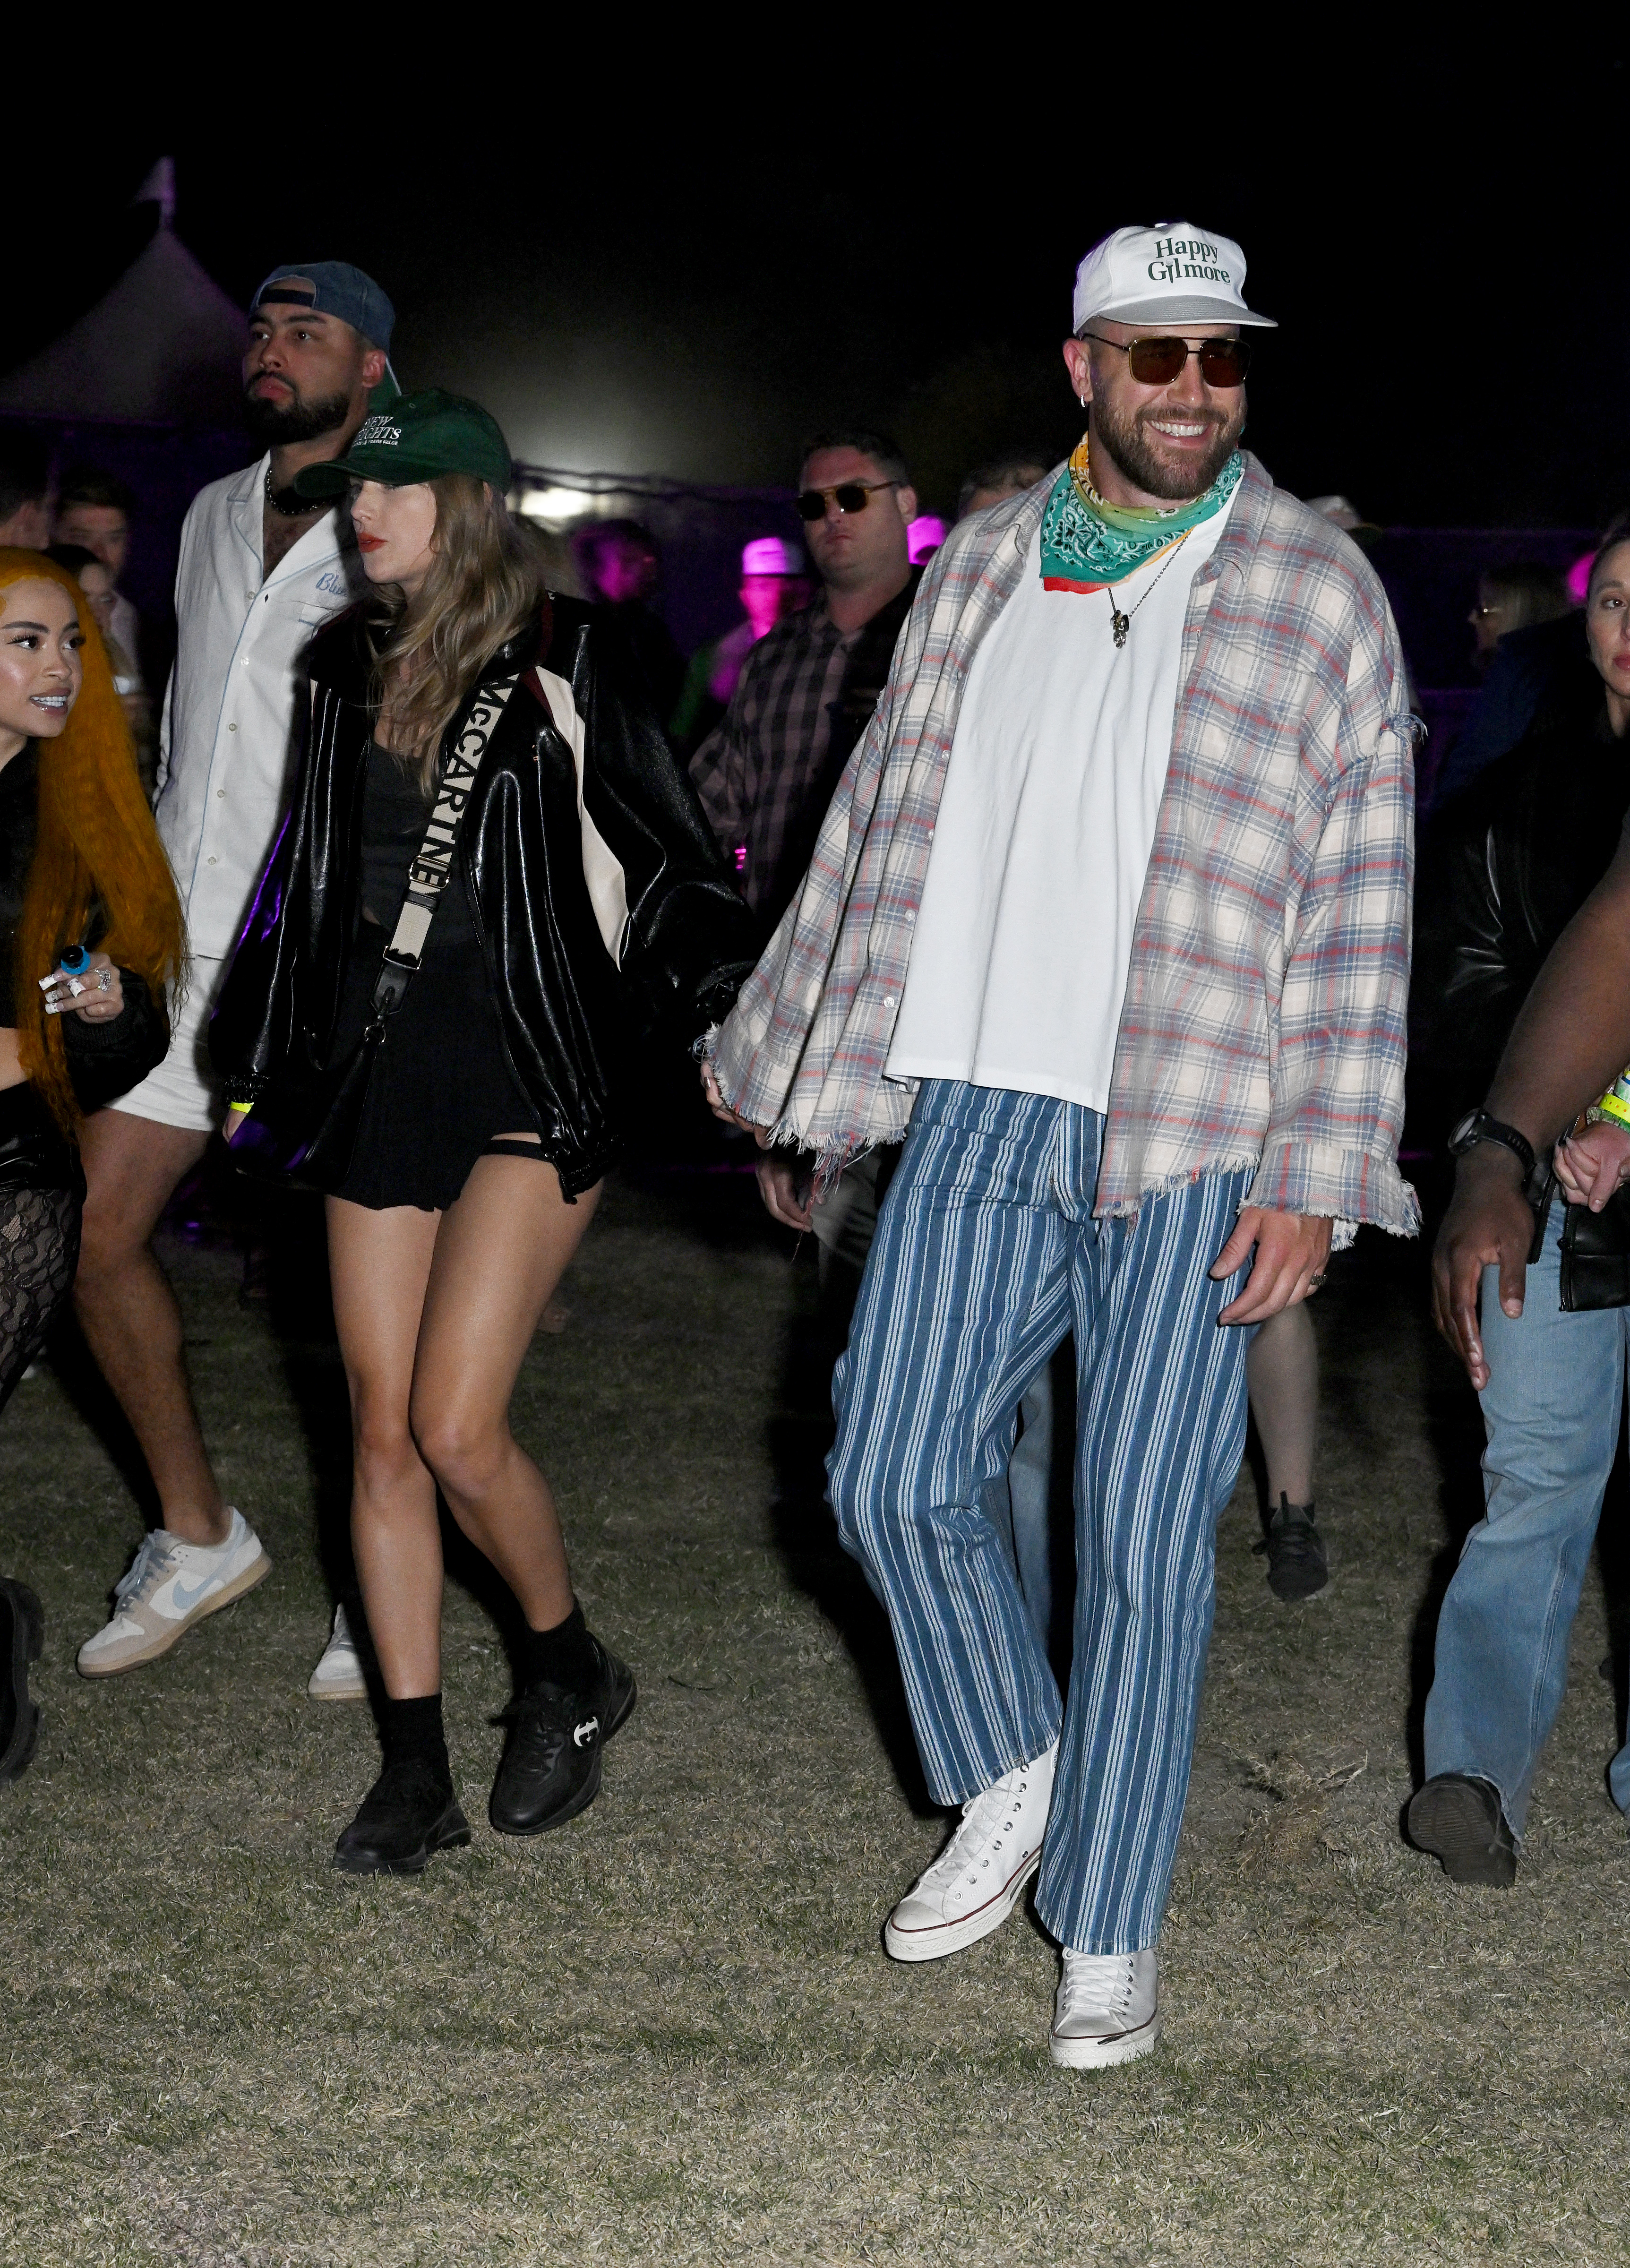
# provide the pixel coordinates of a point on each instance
(432, 869)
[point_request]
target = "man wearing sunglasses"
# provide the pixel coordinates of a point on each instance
(807, 693)
(1112, 907)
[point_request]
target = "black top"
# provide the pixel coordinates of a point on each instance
(394, 815)
(105, 1059)
(1501, 875)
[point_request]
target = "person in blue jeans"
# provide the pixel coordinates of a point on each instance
(1552, 1383)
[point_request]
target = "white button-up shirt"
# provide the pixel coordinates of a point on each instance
(227, 746)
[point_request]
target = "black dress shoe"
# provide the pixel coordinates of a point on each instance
(551, 1765)
(1460, 1820)
(408, 1815)
(1296, 1564)
(22, 1635)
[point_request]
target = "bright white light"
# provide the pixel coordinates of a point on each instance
(557, 505)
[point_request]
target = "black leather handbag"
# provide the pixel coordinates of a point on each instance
(304, 1130)
(1596, 1256)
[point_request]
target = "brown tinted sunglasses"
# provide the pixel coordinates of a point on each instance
(848, 496)
(1156, 361)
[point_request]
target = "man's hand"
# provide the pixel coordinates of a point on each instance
(785, 1192)
(1292, 1248)
(1489, 1224)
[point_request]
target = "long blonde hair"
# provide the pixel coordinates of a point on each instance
(97, 847)
(483, 585)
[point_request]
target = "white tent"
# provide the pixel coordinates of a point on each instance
(164, 346)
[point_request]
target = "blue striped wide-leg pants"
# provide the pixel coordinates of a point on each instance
(986, 1253)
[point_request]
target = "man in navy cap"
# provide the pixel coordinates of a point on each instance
(261, 569)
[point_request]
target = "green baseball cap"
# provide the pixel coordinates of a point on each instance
(417, 437)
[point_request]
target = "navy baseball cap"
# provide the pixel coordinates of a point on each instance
(331, 287)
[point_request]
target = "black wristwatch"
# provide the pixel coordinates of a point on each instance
(1476, 1126)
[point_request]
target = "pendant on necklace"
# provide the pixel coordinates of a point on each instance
(1122, 623)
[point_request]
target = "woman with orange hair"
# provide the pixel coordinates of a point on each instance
(90, 941)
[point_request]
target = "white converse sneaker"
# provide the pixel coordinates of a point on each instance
(338, 1675)
(1108, 2009)
(980, 1877)
(171, 1586)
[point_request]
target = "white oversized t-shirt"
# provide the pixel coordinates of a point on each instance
(1024, 937)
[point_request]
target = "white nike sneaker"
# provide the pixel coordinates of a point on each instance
(171, 1586)
(338, 1675)
(980, 1877)
(1108, 2009)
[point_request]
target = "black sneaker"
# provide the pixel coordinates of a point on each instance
(551, 1765)
(1460, 1820)
(22, 1635)
(408, 1813)
(1296, 1564)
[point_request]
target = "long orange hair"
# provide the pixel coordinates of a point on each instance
(98, 853)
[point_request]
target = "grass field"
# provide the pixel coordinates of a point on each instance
(668, 2032)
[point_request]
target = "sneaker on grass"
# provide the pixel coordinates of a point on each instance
(1108, 2009)
(408, 1815)
(980, 1875)
(171, 1586)
(552, 1765)
(338, 1675)
(1459, 1818)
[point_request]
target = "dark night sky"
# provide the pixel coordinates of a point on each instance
(1446, 257)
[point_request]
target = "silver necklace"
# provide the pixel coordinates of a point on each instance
(1122, 623)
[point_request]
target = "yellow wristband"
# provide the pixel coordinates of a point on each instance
(1612, 1105)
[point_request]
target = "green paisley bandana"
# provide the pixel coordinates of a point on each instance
(1087, 545)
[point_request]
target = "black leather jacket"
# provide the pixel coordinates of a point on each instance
(567, 1010)
(1502, 873)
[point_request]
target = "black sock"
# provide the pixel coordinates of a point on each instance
(412, 1729)
(562, 1656)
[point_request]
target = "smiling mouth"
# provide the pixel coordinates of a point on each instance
(1180, 429)
(48, 700)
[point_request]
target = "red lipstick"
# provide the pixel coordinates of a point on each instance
(370, 543)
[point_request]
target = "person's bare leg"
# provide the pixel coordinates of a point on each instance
(1282, 1371)
(379, 1263)
(500, 1253)
(129, 1313)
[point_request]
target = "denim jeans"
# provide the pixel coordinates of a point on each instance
(1550, 1408)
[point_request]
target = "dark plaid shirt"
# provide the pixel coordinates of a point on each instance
(757, 771)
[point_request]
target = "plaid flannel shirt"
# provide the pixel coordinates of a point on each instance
(754, 770)
(1264, 1020)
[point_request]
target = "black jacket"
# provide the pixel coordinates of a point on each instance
(1502, 873)
(663, 899)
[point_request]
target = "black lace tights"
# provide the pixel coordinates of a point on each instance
(38, 1252)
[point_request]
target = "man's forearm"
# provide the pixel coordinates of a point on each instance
(1571, 1036)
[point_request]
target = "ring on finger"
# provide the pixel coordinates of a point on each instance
(1315, 1281)
(104, 980)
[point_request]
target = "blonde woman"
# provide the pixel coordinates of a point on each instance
(492, 875)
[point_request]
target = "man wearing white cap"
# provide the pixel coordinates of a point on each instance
(774, 583)
(1111, 908)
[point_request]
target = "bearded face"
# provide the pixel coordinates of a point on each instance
(1133, 436)
(274, 410)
